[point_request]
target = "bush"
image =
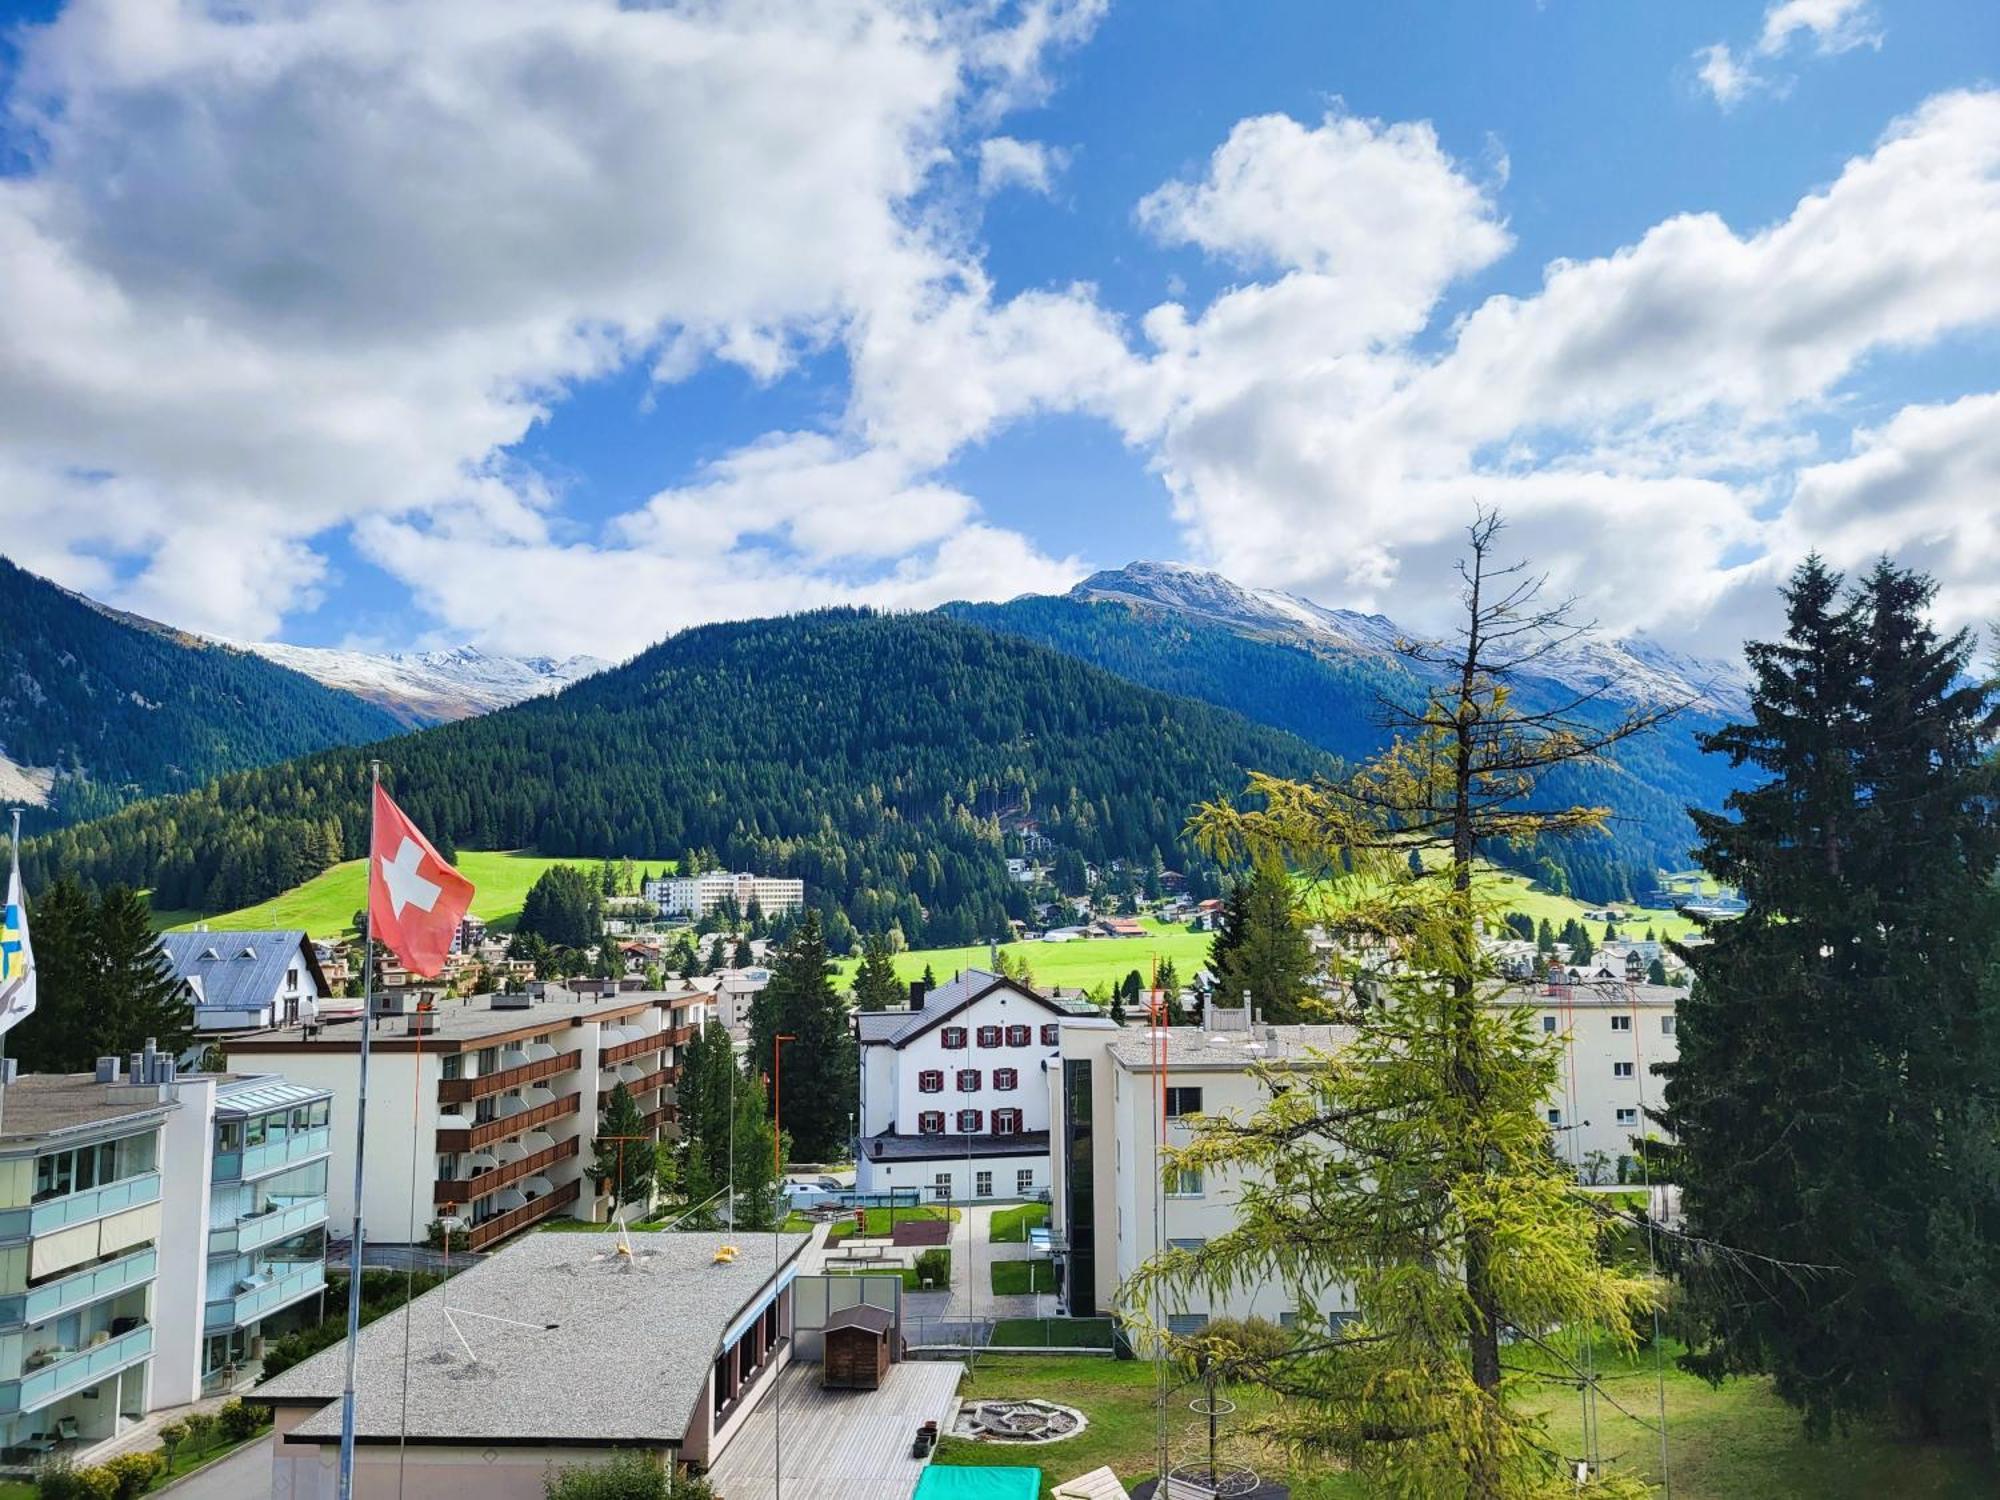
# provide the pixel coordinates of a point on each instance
(131, 1473)
(60, 1479)
(1229, 1343)
(625, 1476)
(200, 1428)
(172, 1435)
(237, 1420)
(934, 1266)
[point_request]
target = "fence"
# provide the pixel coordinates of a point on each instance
(954, 1338)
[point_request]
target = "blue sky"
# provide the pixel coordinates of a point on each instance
(648, 319)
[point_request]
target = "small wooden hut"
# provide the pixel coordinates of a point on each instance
(857, 1348)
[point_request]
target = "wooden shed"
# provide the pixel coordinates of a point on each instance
(857, 1348)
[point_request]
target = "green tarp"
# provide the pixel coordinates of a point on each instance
(952, 1482)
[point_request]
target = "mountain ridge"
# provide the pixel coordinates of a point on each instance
(422, 688)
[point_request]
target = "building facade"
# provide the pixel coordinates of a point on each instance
(245, 981)
(695, 896)
(496, 1102)
(954, 1094)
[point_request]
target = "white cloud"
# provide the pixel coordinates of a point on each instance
(1005, 162)
(1638, 416)
(274, 271)
(1830, 27)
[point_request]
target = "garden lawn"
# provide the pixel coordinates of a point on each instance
(878, 1220)
(1051, 1333)
(911, 1281)
(325, 905)
(1010, 1226)
(1728, 1443)
(1016, 1278)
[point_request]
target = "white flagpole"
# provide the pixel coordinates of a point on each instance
(346, 1489)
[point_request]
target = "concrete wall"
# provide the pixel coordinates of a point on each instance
(186, 1153)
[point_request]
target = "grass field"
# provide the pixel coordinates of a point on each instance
(1016, 1278)
(1075, 965)
(880, 1220)
(325, 905)
(1010, 1226)
(1723, 1444)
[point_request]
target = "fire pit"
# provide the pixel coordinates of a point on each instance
(1018, 1421)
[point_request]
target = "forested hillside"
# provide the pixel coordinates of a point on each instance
(880, 758)
(120, 708)
(1334, 701)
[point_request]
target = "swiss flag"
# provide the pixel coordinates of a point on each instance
(415, 899)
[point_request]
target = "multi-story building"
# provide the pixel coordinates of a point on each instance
(695, 896)
(147, 1245)
(954, 1101)
(1109, 1107)
(483, 1109)
(243, 981)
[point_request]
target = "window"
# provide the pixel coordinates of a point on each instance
(451, 1065)
(1666, 1025)
(1024, 1182)
(941, 1187)
(1184, 1182)
(291, 981)
(968, 1080)
(1020, 1036)
(982, 1184)
(931, 1081)
(1006, 1122)
(989, 1036)
(951, 1038)
(1621, 1070)
(1548, 1023)
(931, 1122)
(1186, 1244)
(1185, 1325)
(228, 1136)
(1628, 1117)
(969, 1121)
(1006, 1080)
(1621, 1023)
(1051, 1035)
(1555, 1117)
(1183, 1101)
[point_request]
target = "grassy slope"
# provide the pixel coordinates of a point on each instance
(1724, 1444)
(325, 905)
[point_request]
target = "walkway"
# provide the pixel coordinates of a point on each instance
(933, 1318)
(244, 1475)
(836, 1445)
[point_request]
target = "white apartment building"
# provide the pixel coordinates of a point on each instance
(695, 896)
(1109, 1207)
(484, 1109)
(954, 1094)
(147, 1246)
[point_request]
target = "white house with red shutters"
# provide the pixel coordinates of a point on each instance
(954, 1102)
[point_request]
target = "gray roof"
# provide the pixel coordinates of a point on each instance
(890, 1146)
(898, 1026)
(625, 1360)
(238, 970)
(45, 1104)
(238, 1096)
(461, 1020)
(1191, 1047)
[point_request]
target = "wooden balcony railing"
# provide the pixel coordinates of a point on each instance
(462, 1190)
(666, 1120)
(658, 1078)
(678, 1036)
(510, 1125)
(465, 1090)
(501, 1225)
(619, 1052)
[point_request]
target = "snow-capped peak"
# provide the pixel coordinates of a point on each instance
(429, 687)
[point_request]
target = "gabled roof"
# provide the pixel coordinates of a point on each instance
(901, 1027)
(239, 970)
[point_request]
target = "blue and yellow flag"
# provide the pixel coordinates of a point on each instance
(17, 957)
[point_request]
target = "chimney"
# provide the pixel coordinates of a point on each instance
(423, 1023)
(107, 1070)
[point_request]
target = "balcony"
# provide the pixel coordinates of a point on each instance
(659, 1078)
(273, 1156)
(678, 1036)
(533, 1212)
(465, 1090)
(253, 1231)
(76, 1370)
(269, 1294)
(79, 1289)
(470, 1139)
(666, 1120)
(52, 1214)
(639, 1046)
(462, 1190)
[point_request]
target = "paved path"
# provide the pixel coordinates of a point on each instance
(244, 1475)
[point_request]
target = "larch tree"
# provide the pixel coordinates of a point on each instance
(1411, 1169)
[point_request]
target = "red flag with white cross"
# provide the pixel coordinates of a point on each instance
(415, 899)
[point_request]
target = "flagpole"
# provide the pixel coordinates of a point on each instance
(346, 1489)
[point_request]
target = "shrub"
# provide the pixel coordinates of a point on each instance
(172, 1435)
(60, 1479)
(934, 1266)
(624, 1476)
(237, 1420)
(1229, 1343)
(200, 1428)
(131, 1473)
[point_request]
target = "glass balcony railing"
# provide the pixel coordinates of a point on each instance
(79, 1289)
(253, 1231)
(271, 1293)
(74, 1371)
(78, 1208)
(272, 1156)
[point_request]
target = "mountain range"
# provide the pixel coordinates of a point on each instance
(421, 688)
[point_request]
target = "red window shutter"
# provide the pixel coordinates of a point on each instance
(952, 1037)
(1051, 1035)
(989, 1036)
(1019, 1036)
(1005, 1079)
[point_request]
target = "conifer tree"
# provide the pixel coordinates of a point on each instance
(1267, 955)
(820, 1079)
(105, 986)
(622, 1167)
(876, 986)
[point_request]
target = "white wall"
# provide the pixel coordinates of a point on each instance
(180, 1288)
(880, 1177)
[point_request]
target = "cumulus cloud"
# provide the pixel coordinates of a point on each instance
(1827, 26)
(1005, 162)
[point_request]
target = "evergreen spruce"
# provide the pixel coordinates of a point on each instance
(1263, 950)
(105, 987)
(626, 1168)
(819, 1079)
(876, 986)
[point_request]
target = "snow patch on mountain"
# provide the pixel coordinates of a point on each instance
(1636, 669)
(431, 687)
